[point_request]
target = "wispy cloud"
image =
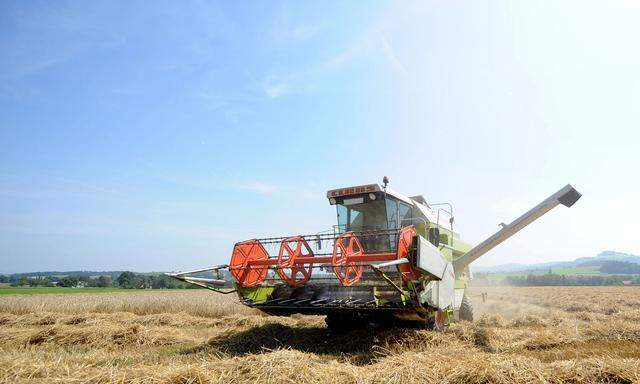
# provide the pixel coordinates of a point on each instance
(259, 187)
(47, 186)
(371, 44)
(284, 29)
(37, 66)
(274, 87)
(390, 54)
(304, 190)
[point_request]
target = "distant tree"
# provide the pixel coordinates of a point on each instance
(69, 281)
(555, 280)
(102, 281)
(620, 267)
(40, 281)
(141, 282)
(157, 282)
(164, 282)
(21, 282)
(132, 280)
(126, 279)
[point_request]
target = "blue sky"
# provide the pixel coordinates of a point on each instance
(154, 136)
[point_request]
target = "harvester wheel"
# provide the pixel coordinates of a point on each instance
(297, 274)
(244, 254)
(347, 271)
(466, 309)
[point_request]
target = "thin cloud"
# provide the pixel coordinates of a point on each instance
(285, 30)
(390, 54)
(275, 88)
(259, 187)
(370, 44)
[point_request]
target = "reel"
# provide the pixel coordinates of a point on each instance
(347, 270)
(289, 266)
(243, 258)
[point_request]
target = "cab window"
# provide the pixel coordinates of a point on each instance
(392, 213)
(404, 212)
(361, 216)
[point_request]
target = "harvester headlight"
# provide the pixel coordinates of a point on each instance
(372, 196)
(332, 201)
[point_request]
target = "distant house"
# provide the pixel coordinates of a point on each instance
(81, 284)
(627, 282)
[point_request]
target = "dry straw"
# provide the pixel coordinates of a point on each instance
(523, 335)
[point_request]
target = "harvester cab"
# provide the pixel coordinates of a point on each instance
(389, 257)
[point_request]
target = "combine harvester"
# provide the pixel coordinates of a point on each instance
(389, 257)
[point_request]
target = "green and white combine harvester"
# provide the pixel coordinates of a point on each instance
(390, 257)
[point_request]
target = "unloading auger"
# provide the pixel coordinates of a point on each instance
(389, 257)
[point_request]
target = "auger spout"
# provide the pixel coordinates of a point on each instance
(567, 196)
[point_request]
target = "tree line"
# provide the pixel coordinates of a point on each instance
(620, 267)
(554, 279)
(126, 279)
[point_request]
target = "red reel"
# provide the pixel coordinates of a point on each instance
(288, 268)
(244, 254)
(405, 243)
(346, 246)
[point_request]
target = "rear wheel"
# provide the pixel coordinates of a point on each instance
(466, 309)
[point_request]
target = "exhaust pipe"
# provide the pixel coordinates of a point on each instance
(567, 196)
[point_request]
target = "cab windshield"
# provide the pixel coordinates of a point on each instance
(362, 216)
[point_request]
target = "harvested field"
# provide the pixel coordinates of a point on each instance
(521, 335)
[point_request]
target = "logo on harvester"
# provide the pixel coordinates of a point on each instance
(353, 190)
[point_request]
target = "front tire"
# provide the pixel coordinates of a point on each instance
(436, 322)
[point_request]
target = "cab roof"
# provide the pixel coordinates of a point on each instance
(417, 201)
